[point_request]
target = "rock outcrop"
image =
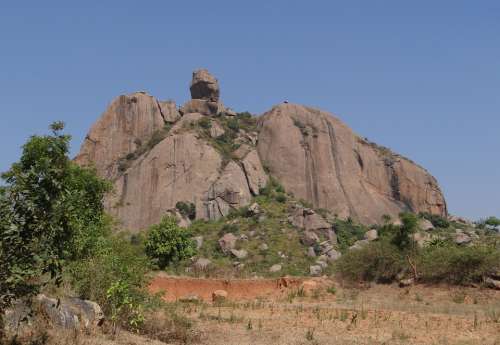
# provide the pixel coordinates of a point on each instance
(130, 121)
(319, 159)
(156, 156)
(204, 86)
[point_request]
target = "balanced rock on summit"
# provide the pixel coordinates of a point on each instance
(204, 86)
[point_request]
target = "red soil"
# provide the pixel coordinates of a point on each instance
(238, 289)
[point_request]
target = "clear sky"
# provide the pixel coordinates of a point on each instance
(421, 77)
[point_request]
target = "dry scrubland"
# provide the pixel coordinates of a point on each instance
(380, 314)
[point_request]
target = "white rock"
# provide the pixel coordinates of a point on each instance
(275, 268)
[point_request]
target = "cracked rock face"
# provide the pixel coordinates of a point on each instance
(129, 121)
(318, 158)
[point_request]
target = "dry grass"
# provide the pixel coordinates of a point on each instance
(379, 315)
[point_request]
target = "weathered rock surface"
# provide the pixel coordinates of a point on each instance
(315, 270)
(254, 172)
(359, 244)
(230, 191)
(227, 242)
(425, 225)
(239, 254)
(320, 159)
(204, 86)
(202, 107)
(202, 264)
(371, 235)
(308, 219)
(129, 122)
(180, 168)
(462, 238)
(199, 241)
(68, 313)
(219, 296)
(275, 268)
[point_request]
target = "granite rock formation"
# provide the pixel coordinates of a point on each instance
(157, 155)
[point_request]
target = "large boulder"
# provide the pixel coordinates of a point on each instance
(227, 243)
(315, 270)
(461, 237)
(71, 313)
(308, 220)
(204, 86)
(254, 172)
(229, 191)
(425, 225)
(371, 235)
(239, 254)
(202, 264)
(318, 158)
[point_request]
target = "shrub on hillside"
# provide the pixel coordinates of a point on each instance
(168, 243)
(436, 220)
(187, 209)
(348, 232)
(377, 261)
(115, 278)
(402, 236)
(457, 264)
(205, 123)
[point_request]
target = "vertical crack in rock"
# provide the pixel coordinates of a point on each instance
(161, 112)
(311, 175)
(123, 195)
(333, 150)
(245, 172)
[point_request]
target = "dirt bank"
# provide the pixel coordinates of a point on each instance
(238, 289)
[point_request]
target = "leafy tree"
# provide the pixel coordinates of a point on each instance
(51, 210)
(492, 221)
(167, 243)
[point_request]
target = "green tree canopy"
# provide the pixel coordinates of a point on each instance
(492, 221)
(51, 210)
(167, 243)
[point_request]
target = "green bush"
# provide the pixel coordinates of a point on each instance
(457, 264)
(402, 237)
(492, 221)
(187, 209)
(348, 233)
(273, 189)
(168, 243)
(378, 261)
(233, 125)
(281, 197)
(115, 277)
(205, 123)
(246, 121)
(436, 220)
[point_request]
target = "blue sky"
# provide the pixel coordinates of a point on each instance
(421, 77)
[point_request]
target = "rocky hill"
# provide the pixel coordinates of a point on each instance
(205, 154)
